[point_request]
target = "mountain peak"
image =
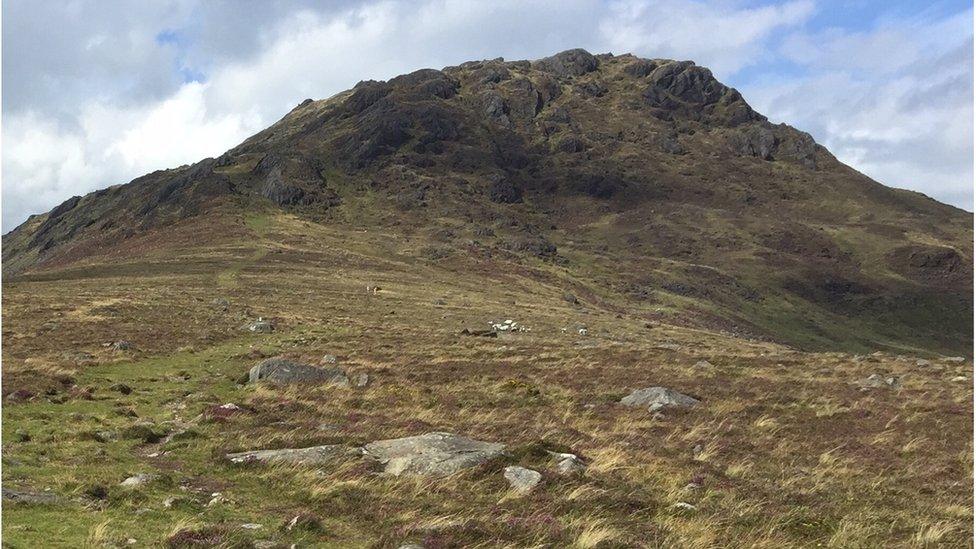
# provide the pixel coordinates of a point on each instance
(574, 160)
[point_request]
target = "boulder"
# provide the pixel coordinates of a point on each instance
(315, 455)
(137, 480)
(522, 480)
(283, 371)
(260, 326)
(431, 454)
(657, 398)
(575, 62)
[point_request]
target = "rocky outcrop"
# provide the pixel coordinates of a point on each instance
(681, 90)
(768, 142)
(569, 63)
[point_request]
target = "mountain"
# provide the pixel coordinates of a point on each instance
(641, 187)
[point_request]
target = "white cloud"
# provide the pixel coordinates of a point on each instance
(895, 102)
(723, 38)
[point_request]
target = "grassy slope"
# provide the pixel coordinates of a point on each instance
(792, 454)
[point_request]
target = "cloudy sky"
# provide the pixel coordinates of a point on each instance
(97, 92)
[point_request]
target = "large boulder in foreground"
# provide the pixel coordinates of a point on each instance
(656, 398)
(315, 455)
(283, 371)
(431, 454)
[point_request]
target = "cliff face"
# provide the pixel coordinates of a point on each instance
(644, 179)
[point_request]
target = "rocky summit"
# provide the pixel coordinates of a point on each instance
(581, 301)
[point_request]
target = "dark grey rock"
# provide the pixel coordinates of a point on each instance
(28, 497)
(755, 140)
(575, 62)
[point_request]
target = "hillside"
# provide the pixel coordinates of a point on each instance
(650, 317)
(644, 183)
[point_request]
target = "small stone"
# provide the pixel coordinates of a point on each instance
(304, 522)
(260, 326)
(216, 500)
(122, 345)
(922, 363)
(878, 381)
(522, 480)
(959, 378)
(568, 464)
(252, 526)
(704, 364)
(137, 480)
(360, 380)
(328, 359)
(684, 506)
(105, 436)
(176, 501)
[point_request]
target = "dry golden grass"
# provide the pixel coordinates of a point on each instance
(789, 452)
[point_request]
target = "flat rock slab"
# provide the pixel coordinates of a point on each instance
(283, 371)
(28, 497)
(315, 455)
(431, 454)
(656, 398)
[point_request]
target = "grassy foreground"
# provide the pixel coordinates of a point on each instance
(785, 450)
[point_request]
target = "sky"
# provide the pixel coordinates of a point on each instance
(98, 92)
